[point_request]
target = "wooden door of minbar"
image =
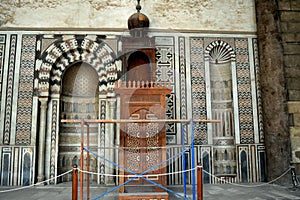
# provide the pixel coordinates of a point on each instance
(142, 144)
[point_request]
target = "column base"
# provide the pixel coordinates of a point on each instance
(109, 181)
(40, 178)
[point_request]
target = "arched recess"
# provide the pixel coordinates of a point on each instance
(79, 99)
(221, 100)
(244, 166)
(206, 166)
(55, 60)
(139, 67)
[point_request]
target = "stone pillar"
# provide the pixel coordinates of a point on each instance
(289, 11)
(273, 90)
(42, 133)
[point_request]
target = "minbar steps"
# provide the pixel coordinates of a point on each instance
(145, 192)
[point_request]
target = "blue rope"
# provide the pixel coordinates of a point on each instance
(109, 161)
(113, 189)
(129, 171)
(193, 161)
(167, 189)
(183, 160)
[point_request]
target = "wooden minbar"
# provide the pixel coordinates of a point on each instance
(142, 141)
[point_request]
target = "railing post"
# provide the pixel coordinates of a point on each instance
(294, 177)
(88, 163)
(81, 159)
(199, 182)
(75, 183)
(193, 160)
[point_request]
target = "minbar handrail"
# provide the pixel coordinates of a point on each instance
(142, 85)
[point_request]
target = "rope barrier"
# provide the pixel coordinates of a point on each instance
(163, 174)
(29, 186)
(137, 175)
(248, 186)
(130, 176)
(184, 171)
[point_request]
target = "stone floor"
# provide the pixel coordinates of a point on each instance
(210, 192)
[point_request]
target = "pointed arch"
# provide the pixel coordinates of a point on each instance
(61, 54)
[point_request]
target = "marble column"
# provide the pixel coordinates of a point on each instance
(42, 133)
(109, 143)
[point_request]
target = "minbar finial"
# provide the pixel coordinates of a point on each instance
(138, 6)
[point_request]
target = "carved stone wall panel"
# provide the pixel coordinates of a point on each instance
(165, 73)
(183, 97)
(258, 90)
(2, 55)
(198, 88)
(170, 114)
(25, 97)
(9, 89)
(165, 64)
(53, 148)
(101, 151)
(244, 91)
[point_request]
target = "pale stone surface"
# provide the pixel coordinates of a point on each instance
(212, 15)
(294, 108)
(295, 145)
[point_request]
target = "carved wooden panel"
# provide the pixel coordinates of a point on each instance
(142, 143)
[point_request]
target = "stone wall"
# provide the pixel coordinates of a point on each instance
(278, 35)
(289, 12)
(278, 24)
(273, 88)
(210, 15)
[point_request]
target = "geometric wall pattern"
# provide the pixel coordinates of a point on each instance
(170, 114)
(182, 78)
(2, 48)
(165, 73)
(26, 78)
(198, 88)
(103, 105)
(62, 54)
(164, 62)
(9, 89)
(244, 91)
(54, 121)
(258, 91)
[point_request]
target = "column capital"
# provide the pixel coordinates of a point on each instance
(44, 101)
(112, 102)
